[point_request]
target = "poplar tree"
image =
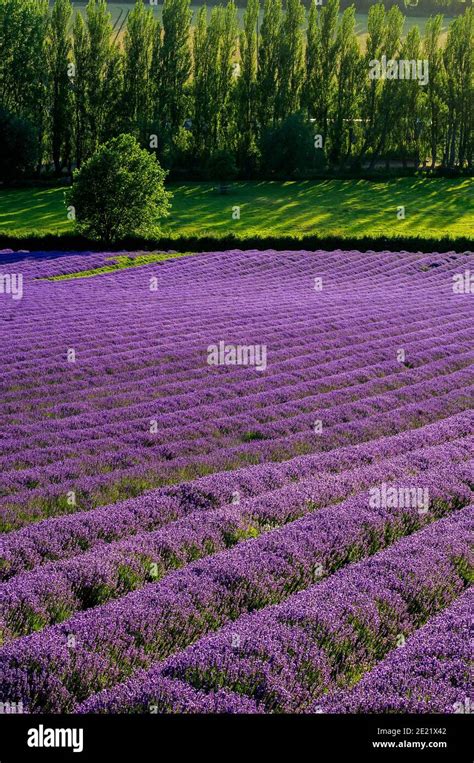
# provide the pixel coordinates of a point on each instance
(375, 47)
(104, 76)
(214, 51)
(349, 78)
(459, 66)
(227, 77)
(200, 82)
(174, 67)
(410, 108)
(311, 60)
(290, 60)
(322, 64)
(387, 106)
(66, 92)
(268, 62)
(59, 50)
(138, 61)
(81, 54)
(23, 42)
(436, 108)
(247, 85)
(23, 68)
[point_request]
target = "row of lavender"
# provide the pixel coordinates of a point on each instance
(56, 590)
(322, 641)
(271, 423)
(117, 482)
(67, 536)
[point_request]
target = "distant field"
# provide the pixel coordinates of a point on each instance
(433, 208)
(120, 10)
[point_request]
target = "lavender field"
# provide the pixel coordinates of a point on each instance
(237, 482)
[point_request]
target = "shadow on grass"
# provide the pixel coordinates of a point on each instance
(351, 208)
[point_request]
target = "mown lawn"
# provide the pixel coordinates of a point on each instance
(433, 208)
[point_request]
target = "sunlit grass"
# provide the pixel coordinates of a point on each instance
(120, 262)
(434, 208)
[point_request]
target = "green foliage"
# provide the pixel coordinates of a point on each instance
(215, 44)
(288, 149)
(119, 191)
(80, 48)
(138, 72)
(187, 91)
(459, 94)
(323, 59)
(103, 74)
(58, 58)
(174, 64)
(18, 140)
(268, 58)
(221, 165)
(291, 60)
(345, 130)
(246, 91)
(435, 107)
(24, 83)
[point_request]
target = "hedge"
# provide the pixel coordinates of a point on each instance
(76, 242)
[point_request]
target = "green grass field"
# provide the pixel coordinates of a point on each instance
(433, 209)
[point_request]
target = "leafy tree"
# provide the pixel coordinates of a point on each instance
(459, 66)
(200, 96)
(310, 91)
(384, 119)
(377, 32)
(349, 78)
(23, 29)
(119, 191)
(411, 105)
(388, 114)
(326, 72)
(247, 87)
(18, 156)
(59, 49)
(81, 55)
(200, 81)
(157, 120)
(138, 60)
(436, 108)
(103, 75)
(214, 50)
(23, 71)
(291, 60)
(288, 148)
(228, 69)
(268, 61)
(174, 66)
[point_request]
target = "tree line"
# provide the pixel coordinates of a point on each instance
(415, 7)
(288, 94)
